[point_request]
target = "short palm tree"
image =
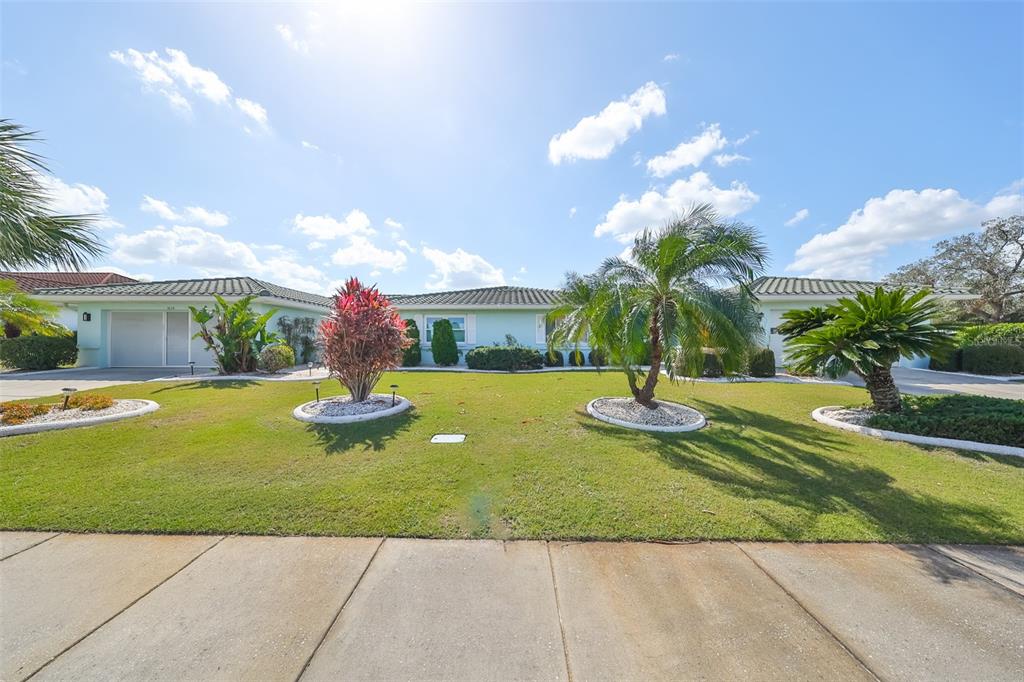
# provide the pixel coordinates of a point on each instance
(22, 314)
(866, 335)
(667, 303)
(30, 233)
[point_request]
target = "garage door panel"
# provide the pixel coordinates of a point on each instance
(136, 339)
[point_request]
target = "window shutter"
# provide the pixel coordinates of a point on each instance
(470, 328)
(541, 327)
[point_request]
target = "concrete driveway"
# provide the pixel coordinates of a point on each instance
(120, 607)
(24, 385)
(923, 382)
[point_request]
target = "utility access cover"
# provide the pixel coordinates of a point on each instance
(448, 438)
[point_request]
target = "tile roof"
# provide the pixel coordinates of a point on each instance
(486, 296)
(806, 286)
(27, 281)
(224, 286)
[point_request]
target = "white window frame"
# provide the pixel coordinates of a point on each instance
(429, 320)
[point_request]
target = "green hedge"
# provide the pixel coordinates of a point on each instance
(963, 417)
(993, 359)
(38, 352)
(576, 358)
(442, 344)
(413, 355)
(597, 358)
(712, 366)
(504, 358)
(554, 358)
(761, 363)
(952, 362)
(1011, 333)
(277, 357)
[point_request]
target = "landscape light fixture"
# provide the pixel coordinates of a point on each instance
(316, 387)
(310, 366)
(192, 367)
(394, 387)
(68, 392)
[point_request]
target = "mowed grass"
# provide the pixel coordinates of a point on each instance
(227, 457)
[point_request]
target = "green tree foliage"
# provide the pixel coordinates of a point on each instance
(31, 234)
(442, 344)
(666, 304)
(234, 332)
(23, 314)
(413, 355)
(866, 335)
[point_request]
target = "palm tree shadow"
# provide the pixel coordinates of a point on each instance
(371, 435)
(754, 455)
(197, 384)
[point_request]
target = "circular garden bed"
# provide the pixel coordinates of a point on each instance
(341, 409)
(667, 417)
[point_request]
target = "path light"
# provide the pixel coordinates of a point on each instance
(192, 367)
(394, 387)
(316, 387)
(68, 392)
(310, 366)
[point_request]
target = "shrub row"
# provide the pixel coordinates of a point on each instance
(963, 417)
(413, 355)
(38, 352)
(761, 363)
(1011, 333)
(982, 359)
(504, 358)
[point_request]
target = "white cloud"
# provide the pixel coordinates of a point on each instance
(325, 228)
(141, 276)
(670, 57)
(572, 212)
(190, 214)
(901, 216)
(724, 160)
(77, 199)
(654, 208)
(315, 245)
(595, 137)
(798, 217)
(360, 251)
(689, 153)
(393, 224)
(291, 40)
(175, 75)
(405, 245)
(460, 270)
(310, 145)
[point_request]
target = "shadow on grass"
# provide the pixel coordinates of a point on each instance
(757, 456)
(190, 385)
(371, 435)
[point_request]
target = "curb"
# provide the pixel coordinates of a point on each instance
(644, 427)
(22, 429)
(990, 448)
(298, 413)
(968, 375)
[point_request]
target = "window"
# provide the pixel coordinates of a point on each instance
(458, 327)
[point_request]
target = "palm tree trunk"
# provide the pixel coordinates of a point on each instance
(645, 394)
(884, 394)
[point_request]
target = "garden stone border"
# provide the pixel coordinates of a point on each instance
(991, 448)
(592, 411)
(22, 429)
(402, 405)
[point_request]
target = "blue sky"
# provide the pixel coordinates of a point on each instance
(429, 147)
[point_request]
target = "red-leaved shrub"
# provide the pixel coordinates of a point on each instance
(362, 338)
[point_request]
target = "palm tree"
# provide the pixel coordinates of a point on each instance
(866, 335)
(30, 234)
(22, 314)
(663, 304)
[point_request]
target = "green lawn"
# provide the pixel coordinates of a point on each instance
(228, 457)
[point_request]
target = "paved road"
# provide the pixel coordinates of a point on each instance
(119, 607)
(923, 382)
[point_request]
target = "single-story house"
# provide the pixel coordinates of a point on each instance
(145, 324)
(29, 281)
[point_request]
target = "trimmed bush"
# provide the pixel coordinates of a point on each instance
(90, 402)
(712, 366)
(554, 358)
(952, 362)
(277, 357)
(14, 413)
(413, 355)
(504, 358)
(993, 359)
(761, 363)
(963, 417)
(38, 352)
(1011, 333)
(442, 344)
(597, 358)
(576, 358)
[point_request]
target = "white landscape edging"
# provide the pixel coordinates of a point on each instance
(21, 429)
(402, 405)
(645, 427)
(819, 416)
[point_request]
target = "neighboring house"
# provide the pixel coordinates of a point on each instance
(146, 324)
(28, 281)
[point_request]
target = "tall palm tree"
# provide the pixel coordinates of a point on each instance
(30, 233)
(866, 335)
(683, 289)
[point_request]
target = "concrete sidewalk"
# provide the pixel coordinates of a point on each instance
(923, 382)
(118, 607)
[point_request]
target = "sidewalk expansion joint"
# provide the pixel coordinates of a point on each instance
(31, 546)
(558, 611)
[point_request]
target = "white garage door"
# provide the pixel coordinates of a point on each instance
(136, 339)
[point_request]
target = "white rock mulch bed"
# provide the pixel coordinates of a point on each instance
(855, 418)
(341, 409)
(72, 418)
(626, 412)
